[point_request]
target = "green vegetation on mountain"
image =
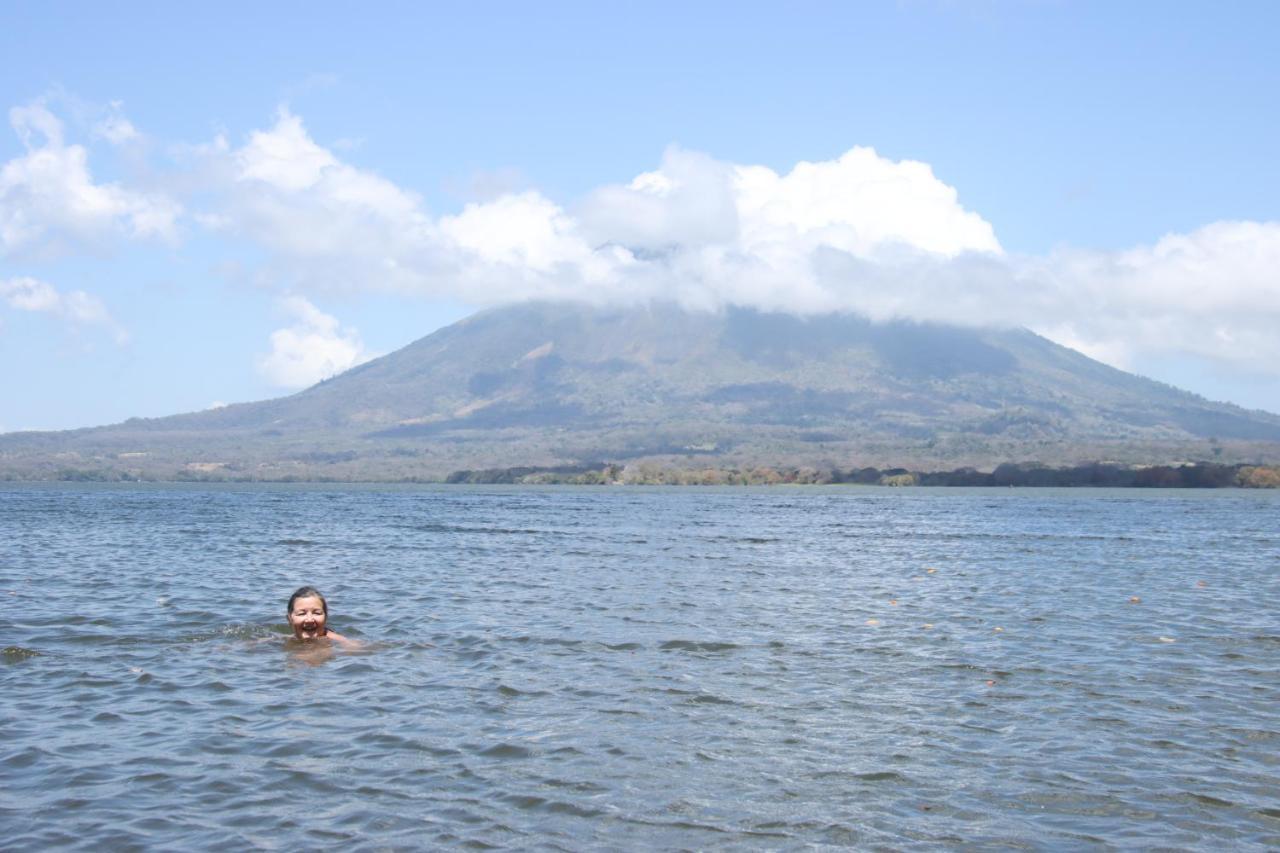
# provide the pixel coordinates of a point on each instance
(548, 386)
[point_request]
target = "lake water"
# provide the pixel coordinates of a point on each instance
(604, 668)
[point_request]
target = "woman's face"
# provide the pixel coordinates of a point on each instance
(307, 618)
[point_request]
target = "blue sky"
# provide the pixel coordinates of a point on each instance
(209, 206)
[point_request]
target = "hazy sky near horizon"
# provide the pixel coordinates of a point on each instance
(201, 206)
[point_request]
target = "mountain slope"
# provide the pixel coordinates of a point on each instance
(546, 383)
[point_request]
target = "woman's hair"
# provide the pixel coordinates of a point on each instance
(307, 592)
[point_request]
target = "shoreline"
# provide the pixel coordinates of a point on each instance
(1182, 475)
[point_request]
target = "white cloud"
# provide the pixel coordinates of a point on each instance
(698, 230)
(115, 128)
(284, 157)
(860, 232)
(327, 224)
(1213, 293)
(315, 347)
(689, 201)
(860, 203)
(48, 196)
(76, 307)
(520, 231)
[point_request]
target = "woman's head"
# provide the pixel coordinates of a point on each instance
(307, 613)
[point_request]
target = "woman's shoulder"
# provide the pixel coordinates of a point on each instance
(338, 638)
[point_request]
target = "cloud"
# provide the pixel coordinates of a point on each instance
(697, 230)
(860, 232)
(690, 201)
(860, 203)
(78, 308)
(315, 347)
(115, 128)
(520, 234)
(328, 225)
(284, 157)
(1213, 293)
(48, 197)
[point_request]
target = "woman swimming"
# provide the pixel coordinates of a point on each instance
(308, 614)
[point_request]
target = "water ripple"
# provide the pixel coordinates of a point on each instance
(641, 668)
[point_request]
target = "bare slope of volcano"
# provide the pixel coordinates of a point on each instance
(545, 384)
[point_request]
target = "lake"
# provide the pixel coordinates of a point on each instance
(635, 668)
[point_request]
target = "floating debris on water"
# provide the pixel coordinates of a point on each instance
(1133, 599)
(1167, 639)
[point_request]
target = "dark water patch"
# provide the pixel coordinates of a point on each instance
(24, 757)
(480, 531)
(550, 641)
(697, 646)
(512, 692)
(754, 539)
(1206, 800)
(505, 750)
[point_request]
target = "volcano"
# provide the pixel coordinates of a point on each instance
(559, 384)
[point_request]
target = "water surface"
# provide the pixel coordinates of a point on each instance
(603, 668)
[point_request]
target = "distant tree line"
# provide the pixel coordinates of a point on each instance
(1195, 475)
(597, 474)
